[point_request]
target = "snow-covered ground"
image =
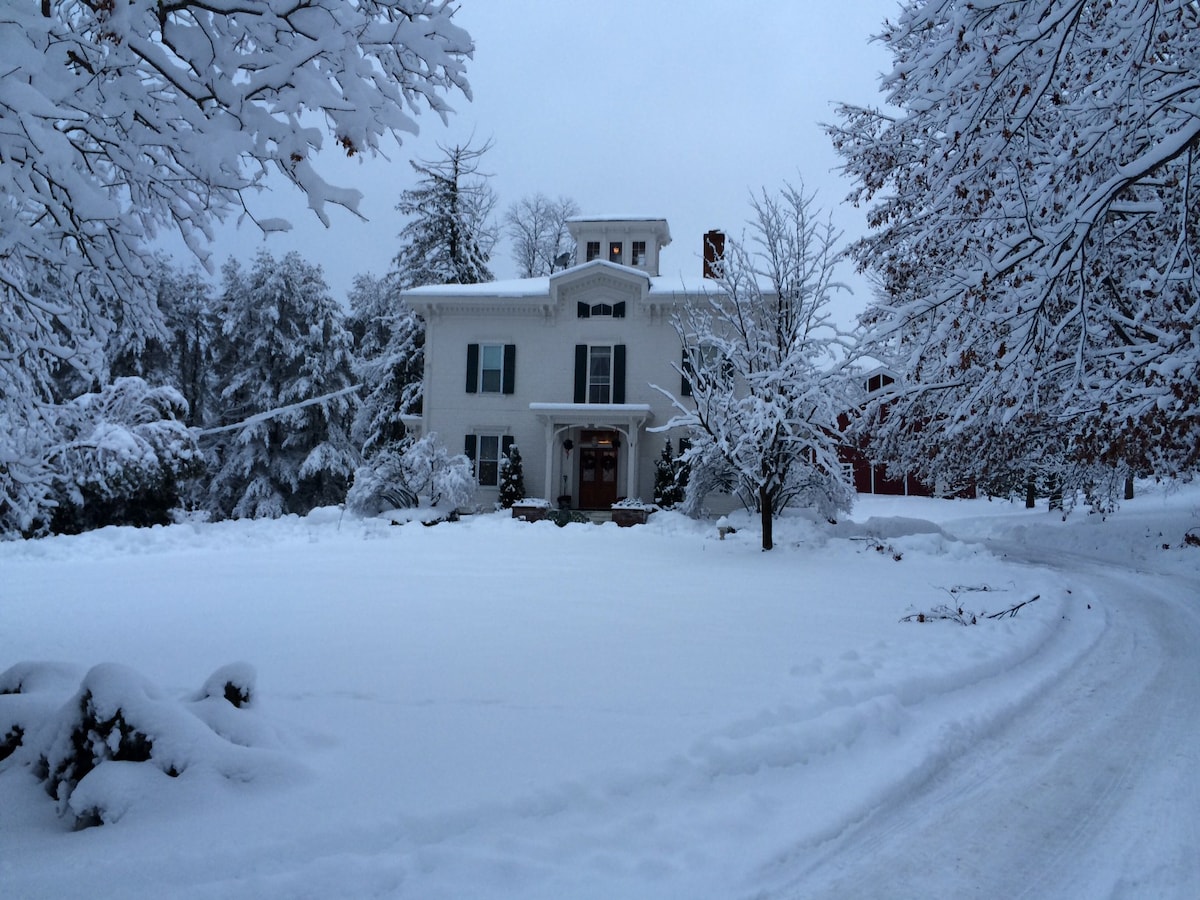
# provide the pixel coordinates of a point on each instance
(493, 709)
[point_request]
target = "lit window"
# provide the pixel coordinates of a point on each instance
(593, 250)
(599, 374)
(638, 253)
(615, 251)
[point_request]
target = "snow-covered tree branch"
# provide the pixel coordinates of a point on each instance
(1036, 197)
(121, 120)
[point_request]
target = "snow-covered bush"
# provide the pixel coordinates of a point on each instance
(398, 478)
(448, 480)
(120, 455)
(120, 741)
(379, 484)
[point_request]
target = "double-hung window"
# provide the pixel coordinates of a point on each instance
(593, 251)
(599, 373)
(706, 365)
(637, 253)
(491, 368)
(485, 452)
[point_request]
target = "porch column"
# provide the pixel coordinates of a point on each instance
(631, 469)
(550, 448)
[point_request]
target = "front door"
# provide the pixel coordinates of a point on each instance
(597, 477)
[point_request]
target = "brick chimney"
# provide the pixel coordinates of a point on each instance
(714, 252)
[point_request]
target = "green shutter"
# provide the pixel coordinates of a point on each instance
(582, 310)
(509, 380)
(619, 310)
(685, 386)
(581, 374)
(472, 368)
(506, 442)
(469, 447)
(618, 375)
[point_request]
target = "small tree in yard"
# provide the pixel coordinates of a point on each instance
(512, 478)
(766, 367)
(670, 478)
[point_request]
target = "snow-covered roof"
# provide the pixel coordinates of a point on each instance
(523, 288)
(512, 287)
(614, 217)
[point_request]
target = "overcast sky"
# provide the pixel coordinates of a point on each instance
(676, 108)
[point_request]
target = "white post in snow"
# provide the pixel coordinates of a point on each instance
(550, 494)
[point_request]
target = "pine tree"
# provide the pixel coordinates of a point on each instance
(284, 342)
(450, 234)
(512, 478)
(389, 359)
(668, 481)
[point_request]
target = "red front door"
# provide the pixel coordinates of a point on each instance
(597, 477)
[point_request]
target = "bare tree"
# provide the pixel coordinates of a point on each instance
(766, 367)
(537, 227)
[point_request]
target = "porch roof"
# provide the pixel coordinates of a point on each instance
(632, 414)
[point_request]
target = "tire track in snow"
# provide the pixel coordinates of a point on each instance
(1092, 790)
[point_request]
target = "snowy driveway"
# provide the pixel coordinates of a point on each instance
(1092, 790)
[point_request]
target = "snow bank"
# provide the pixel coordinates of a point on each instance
(492, 708)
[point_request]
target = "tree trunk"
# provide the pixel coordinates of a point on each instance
(1030, 493)
(764, 503)
(1128, 487)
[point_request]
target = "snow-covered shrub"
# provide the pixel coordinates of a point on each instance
(396, 478)
(379, 484)
(634, 503)
(120, 741)
(120, 455)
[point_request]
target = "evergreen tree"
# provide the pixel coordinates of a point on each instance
(668, 480)
(125, 120)
(512, 478)
(450, 234)
(389, 359)
(284, 342)
(120, 455)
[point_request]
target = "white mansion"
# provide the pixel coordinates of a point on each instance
(564, 366)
